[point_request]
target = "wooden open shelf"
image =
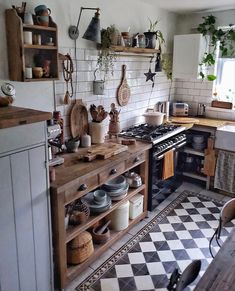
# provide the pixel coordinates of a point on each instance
(73, 271)
(195, 176)
(65, 191)
(72, 232)
(21, 55)
(40, 47)
(39, 27)
(193, 152)
(39, 79)
(135, 50)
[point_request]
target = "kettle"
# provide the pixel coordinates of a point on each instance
(163, 107)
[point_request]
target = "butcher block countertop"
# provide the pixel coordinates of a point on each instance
(208, 122)
(11, 116)
(74, 167)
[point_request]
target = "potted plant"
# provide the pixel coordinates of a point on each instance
(224, 40)
(106, 57)
(153, 34)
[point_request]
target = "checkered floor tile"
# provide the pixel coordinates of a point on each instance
(177, 239)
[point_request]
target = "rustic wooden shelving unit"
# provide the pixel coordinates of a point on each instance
(134, 50)
(67, 188)
(22, 55)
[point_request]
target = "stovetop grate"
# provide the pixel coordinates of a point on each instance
(151, 133)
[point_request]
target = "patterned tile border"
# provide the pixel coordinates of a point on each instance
(86, 285)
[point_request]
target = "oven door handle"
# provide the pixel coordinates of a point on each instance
(158, 158)
(181, 144)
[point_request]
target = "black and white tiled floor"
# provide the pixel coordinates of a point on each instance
(180, 235)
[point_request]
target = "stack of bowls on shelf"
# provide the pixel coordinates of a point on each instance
(116, 188)
(98, 201)
(198, 142)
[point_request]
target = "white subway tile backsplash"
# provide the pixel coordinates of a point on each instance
(188, 85)
(143, 95)
(206, 92)
(193, 92)
(181, 91)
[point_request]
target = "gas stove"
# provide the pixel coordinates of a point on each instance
(152, 134)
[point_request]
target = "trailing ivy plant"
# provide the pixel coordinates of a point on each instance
(223, 39)
(167, 60)
(106, 57)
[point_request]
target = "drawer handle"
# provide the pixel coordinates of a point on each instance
(137, 159)
(83, 187)
(113, 171)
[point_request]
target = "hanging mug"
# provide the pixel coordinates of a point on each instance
(98, 86)
(42, 10)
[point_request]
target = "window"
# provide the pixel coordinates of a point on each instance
(225, 82)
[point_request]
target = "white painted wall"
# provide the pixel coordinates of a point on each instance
(191, 21)
(124, 14)
(197, 91)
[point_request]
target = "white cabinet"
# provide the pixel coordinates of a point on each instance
(188, 52)
(25, 240)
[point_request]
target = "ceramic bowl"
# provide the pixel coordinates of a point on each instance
(72, 145)
(198, 139)
(99, 196)
(100, 238)
(115, 183)
(37, 72)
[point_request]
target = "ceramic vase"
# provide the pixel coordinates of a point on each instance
(97, 132)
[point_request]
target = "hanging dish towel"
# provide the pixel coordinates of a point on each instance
(168, 165)
(225, 172)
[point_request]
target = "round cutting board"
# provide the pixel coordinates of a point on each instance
(78, 119)
(184, 120)
(124, 92)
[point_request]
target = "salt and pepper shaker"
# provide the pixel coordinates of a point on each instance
(86, 140)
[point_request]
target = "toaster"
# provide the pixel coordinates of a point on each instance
(180, 109)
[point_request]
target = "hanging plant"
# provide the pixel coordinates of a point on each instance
(224, 40)
(167, 62)
(106, 57)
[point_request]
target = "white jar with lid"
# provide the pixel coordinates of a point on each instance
(136, 206)
(119, 217)
(86, 140)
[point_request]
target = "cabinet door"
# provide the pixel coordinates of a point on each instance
(24, 222)
(9, 278)
(188, 53)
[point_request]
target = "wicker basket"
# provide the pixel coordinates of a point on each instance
(80, 248)
(80, 213)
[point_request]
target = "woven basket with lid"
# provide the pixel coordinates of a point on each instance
(80, 248)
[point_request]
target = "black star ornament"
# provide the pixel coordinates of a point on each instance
(150, 75)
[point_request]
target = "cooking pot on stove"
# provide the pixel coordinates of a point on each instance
(154, 118)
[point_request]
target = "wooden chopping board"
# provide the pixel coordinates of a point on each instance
(210, 159)
(78, 119)
(105, 151)
(184, 120)
(124, 92)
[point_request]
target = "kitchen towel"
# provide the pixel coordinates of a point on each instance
(225, 172)
(168, 165)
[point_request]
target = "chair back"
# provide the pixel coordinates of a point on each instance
(226, 215)
(189, 275)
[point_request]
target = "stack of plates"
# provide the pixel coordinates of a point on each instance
(116, 188)
(94, 207)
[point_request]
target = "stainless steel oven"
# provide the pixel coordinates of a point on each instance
(160, 189)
